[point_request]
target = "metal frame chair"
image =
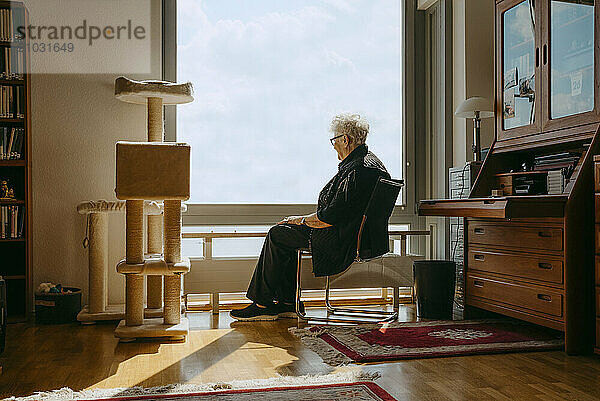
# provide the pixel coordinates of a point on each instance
(382, 201)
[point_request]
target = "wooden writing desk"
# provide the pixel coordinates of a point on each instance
(532, 257)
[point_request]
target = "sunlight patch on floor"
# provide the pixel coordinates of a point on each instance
(140, 367)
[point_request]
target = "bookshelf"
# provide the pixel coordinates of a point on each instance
(15, 162)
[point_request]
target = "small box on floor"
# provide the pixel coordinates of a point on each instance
(57, 307)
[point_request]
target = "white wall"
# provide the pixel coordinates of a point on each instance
(75, 123)
(473, 69)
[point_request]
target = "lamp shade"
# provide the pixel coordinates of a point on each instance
(468, 108)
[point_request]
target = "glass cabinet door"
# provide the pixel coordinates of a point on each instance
(519, 66)
(568, 59)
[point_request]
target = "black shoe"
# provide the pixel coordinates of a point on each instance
(289, 310)
(253, 312)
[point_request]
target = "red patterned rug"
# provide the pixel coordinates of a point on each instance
(392, 341)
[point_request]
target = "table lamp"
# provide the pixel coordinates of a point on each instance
(476, 108)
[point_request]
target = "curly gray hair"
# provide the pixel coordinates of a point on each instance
(352, 125)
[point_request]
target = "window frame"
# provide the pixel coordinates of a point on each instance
(260, 214)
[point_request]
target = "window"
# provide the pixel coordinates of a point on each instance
(245, 247)
(269, 75)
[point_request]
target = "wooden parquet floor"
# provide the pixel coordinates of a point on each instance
(41, 358)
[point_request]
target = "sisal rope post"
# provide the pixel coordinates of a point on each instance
(172, 253)
(134, 284)
(98, 262)
(134, 299)
(134, 226)
(154, 284)
(155, 119)
(155, 232)
(172, 231)
(172, 310)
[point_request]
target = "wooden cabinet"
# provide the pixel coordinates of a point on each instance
(547, 74)
(531, 256)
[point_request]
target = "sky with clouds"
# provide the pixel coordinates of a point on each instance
(268, 77)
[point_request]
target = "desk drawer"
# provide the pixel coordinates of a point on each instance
(542, 268)
(545, 238)
(520, 296)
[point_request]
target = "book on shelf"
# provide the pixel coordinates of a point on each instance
(12, 219)
(20, 103)
(565, 161)
(12, 63)
(12, 102)
(6, 16)
(11, 143)
(10, 20)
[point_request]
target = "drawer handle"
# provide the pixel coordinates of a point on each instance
(479, 230)
(545, 234)
(544, 297)
(479, 257)
(478, 283)
(547, 266)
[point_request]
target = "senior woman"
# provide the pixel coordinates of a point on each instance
(331, 231)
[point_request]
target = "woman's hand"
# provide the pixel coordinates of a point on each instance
(311, 220)
(292, 220)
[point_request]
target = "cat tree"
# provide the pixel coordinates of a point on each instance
(154, 171)
(96, 240)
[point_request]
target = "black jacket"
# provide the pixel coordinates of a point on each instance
(342, 203)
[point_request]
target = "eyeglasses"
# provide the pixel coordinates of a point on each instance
(332, 140)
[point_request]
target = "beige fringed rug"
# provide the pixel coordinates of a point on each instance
(352, 386)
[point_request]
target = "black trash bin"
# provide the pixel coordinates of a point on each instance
(434, 288)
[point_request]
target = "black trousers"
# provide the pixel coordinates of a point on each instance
(274, 277)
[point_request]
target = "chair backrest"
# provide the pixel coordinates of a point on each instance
(380, 206)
